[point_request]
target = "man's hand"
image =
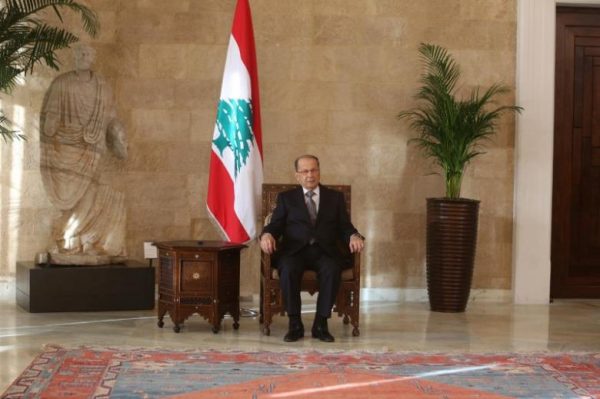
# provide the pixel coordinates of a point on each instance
(356, 243)
(268, 243)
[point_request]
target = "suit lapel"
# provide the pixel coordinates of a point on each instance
(323, 201)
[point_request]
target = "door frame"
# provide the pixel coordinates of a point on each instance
(534, 150)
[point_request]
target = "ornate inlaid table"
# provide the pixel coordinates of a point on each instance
(200, 277)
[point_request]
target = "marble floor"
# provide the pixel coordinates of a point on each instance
(572, 325)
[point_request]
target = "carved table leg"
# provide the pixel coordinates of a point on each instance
(161, 314)
(235, 314)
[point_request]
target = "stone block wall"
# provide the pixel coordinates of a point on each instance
(333, 76)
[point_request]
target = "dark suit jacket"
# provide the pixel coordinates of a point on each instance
(290, 223)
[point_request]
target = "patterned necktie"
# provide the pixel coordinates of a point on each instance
(312, 207)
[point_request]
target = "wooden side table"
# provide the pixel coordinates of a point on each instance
(199, 277)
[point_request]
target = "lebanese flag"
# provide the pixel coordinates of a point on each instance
(236, 173)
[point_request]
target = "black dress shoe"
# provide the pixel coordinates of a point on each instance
(321, 332)
(294, 334)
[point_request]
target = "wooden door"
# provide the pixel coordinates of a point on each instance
(576, 184)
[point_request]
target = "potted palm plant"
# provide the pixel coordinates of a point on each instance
(26, 40)
(450, 132)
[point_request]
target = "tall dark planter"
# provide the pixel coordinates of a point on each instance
(451, 242)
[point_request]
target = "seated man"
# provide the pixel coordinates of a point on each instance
(310, 220)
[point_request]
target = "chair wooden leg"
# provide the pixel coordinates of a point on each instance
(266, 323)
(261, 306)
(267, 311)
(355, 311)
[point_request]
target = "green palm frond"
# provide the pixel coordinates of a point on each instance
(441, 72)
(27, 9)
(450, 131)
(27, 41)
(6, 133)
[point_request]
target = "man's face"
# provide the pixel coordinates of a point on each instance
(307, 173)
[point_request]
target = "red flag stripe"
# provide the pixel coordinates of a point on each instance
(243, 32)
(220, 200)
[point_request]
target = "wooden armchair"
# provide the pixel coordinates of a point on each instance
(271, 300)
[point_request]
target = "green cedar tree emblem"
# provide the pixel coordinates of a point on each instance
(234, 121)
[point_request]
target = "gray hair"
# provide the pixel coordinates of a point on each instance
(305, 156)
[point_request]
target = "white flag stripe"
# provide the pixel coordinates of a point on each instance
(249, 181)
(236, 85)
(236, 79)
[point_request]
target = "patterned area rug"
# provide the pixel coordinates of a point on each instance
(143, 373)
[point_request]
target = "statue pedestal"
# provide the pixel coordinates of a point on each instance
(53, 288)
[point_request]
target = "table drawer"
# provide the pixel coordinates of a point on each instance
(197, 256)
(196, 276)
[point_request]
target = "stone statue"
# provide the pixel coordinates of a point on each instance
(78, 125)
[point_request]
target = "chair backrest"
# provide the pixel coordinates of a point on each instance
(270, 192)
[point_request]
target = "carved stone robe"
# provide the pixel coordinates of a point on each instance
(77, 118)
